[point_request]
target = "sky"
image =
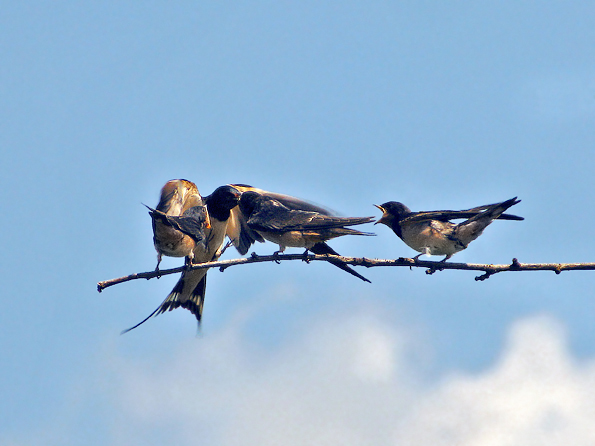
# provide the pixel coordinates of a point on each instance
(346, 104)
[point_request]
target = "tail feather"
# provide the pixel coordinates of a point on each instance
(323, 248)
(194, 302)
(325, 222)
(348, 231)
(154, 313)
(472, 228)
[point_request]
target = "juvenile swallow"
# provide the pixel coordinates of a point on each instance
(432, 233)
(189, 292)
(274, 221)
(177, 197)
(185, 231)
(243, 236)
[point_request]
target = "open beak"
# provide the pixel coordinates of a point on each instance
(380, 220)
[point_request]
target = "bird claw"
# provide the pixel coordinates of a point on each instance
(305, 259)
(227, 245)
(276, 257)
(157, 267)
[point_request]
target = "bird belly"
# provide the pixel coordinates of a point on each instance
(171, 242)
(430, 238)
(293, 239)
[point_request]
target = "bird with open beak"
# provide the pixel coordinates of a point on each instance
(432, 232)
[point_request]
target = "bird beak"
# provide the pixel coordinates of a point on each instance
(380, 220)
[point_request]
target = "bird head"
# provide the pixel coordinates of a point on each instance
(226, 197)
(248, 202)
(392, 211)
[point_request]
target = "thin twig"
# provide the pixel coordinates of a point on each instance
(489, 270)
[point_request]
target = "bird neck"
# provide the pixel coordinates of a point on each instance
(217, 211)
(396, 227)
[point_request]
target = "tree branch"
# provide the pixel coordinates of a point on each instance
(489, 270)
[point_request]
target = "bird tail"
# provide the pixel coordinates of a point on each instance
(472, 228)
(188, 293)
(337, 232)
(496, 210)
(157, 215)
(346, 221)
(323, 248)
(502, 216)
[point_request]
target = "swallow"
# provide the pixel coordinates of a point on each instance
(274, 221)
(189, 292)
(242, 236)
(433, 233)
(184, 231)
(177, 197)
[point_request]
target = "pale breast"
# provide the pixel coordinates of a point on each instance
(171, 242)
(434, 236)
(293, 239)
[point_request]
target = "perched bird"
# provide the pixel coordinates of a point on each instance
(432, 233)
(186, 230)
(189, 292)
(177, 197)
(242, 236)
(274, 221)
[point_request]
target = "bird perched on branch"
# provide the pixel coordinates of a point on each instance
(243, 236)
(185, 231)
(275, 221)
(432, 233)
(190, 290)
(177, 197)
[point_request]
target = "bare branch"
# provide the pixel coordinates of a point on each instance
(489, 270)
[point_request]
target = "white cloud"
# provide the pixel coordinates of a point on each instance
(535, 395)
(350, 381)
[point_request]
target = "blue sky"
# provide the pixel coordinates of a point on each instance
(346, 104)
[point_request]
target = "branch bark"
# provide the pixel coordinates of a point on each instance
(488, 269)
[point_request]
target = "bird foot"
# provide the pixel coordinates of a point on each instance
(187, 263)
(227, 245)
(276, 257)
(305, 259)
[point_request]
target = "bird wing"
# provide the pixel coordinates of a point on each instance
(447, 215)
(290, 202)
(192, 223)
(240, 233)
(244, 235)
(273, 216)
